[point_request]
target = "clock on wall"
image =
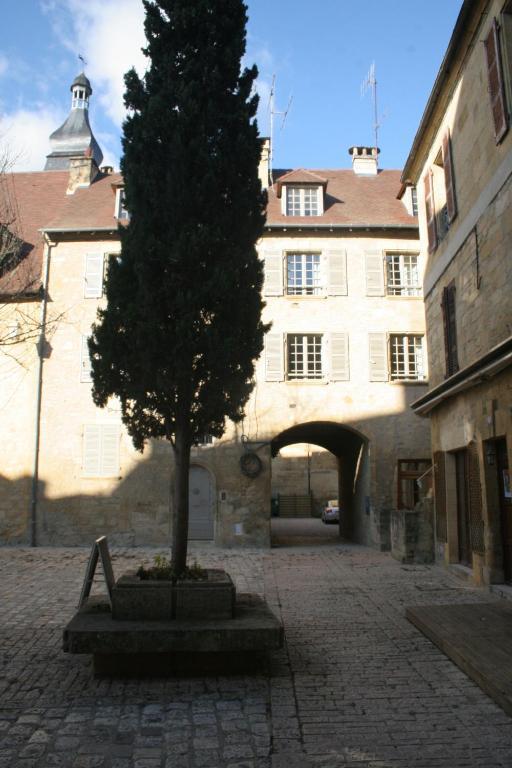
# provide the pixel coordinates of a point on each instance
(250, 464)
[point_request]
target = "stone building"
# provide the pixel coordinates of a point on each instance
(329, 415)
(461, 163)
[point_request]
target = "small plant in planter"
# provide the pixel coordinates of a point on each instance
(162, 570)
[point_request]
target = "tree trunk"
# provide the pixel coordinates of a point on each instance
(180, 498)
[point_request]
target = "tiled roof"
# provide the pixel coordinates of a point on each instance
(350, 201)
(299, 176)
(36, 196)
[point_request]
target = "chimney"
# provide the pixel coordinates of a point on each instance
(364, 160)
(263, 171)
(82, 172)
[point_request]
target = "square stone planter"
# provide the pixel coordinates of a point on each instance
(213, 598)
(136, 599)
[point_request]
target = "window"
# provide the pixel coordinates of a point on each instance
(498, 51)
(93, 278)
(205, 439)
(410, 491)
(407, 359)
(402, 274)
(440, 201)
(414, 200)
(303, 274)
(302, 201)
(85, 361)
(450, 329)
(101, 450)
(121, 212)
(304, 359)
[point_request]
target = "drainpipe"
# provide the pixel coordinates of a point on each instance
(37, 436)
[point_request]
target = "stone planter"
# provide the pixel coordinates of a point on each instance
(213, 598)
(136, 599)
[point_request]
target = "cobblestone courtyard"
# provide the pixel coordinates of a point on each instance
(356, 684)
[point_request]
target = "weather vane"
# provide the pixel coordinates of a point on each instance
(82, 59)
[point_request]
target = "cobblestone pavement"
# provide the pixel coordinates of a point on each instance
(355, 685)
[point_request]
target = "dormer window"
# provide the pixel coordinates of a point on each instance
(120, 212)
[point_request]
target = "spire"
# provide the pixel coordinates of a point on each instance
(74, 139)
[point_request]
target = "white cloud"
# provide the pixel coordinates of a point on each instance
(109, 34)
(24, 136)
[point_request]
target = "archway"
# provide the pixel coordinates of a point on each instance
(349, 447)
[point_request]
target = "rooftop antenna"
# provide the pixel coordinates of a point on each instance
(370, 83)
(273, 114)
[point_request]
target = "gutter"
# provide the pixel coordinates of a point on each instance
(34, 497)
(72, 230)
(331, 227)
(492, 363)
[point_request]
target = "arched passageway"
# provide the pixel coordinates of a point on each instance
(349, 447)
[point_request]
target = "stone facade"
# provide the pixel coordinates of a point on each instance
(468, 276)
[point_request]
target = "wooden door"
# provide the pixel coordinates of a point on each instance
(200, 504)
(463, 527)
(505, 506)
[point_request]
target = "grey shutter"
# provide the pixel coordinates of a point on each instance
(273, 264)
(274, 357)
(430, 213)
(496, 82)
(378, 349)
(85, 361)
(93, 283)
(337, 273)
(340, 370)
(374, 266)
(451, 201)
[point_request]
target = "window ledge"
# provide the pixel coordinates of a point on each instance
(410, 382)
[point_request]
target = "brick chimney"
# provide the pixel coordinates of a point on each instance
(364, 160)
(82, 172)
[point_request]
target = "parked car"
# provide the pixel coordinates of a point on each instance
(331, 512)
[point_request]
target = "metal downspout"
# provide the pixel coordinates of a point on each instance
(41, 343)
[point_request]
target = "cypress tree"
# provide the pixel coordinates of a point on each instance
(182, 327)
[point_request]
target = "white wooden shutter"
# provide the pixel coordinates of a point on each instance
(101, 450)
(273, 264)
(378, 349)
(109, 466)
(374, 266)
(93, 282)
(274, 357)
(340, 369)
(337, 272)
(85, 361)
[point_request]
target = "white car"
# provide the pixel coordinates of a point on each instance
(331, 512)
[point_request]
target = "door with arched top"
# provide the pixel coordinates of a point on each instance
(200, 504)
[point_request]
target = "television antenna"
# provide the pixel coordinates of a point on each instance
(273, 114)
(370, 84)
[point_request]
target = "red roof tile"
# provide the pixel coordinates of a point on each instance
(351, 200)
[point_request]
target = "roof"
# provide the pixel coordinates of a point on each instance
(83, 80)
(89, 208)
(35, 195)
(300, 176)
(350, 201)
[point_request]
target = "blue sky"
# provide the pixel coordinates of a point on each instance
(320, 54)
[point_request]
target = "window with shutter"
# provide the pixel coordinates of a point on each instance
(85, 361)
(430, 213)
(339, 357)
(304, 356)
(496, 82)
(273, 267)
(407, 357)
(93, 279)
(337, 272)
(451, 202)
(374, 267)
(402, 274)
(101, 450)
(274, 357)
(304, 274)
(378, 349)
(450, 329)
